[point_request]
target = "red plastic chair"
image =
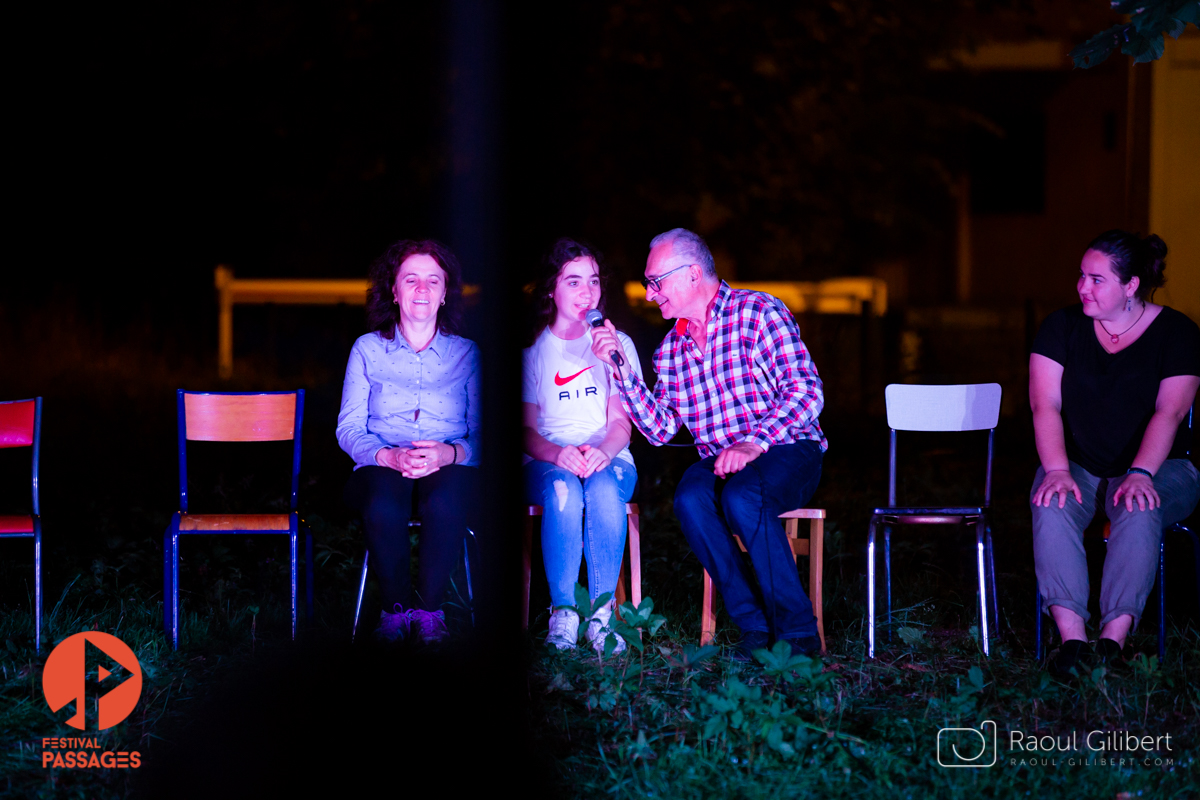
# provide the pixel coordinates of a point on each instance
(235, 417)
(21, 426)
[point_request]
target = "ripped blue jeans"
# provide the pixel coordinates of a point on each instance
(567, 531)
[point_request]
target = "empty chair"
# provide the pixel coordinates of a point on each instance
(235, 417)
(969, 407)
(21, 426)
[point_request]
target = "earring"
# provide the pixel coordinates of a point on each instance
(443, 301)
(1128, 303)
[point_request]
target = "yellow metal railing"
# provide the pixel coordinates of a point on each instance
(832, 296)
(292, 291)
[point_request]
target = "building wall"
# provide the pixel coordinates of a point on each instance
(1036, 256)
(1175, 171)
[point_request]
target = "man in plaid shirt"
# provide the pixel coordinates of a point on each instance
(734, 371)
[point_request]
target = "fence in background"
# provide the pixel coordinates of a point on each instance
(285, 291)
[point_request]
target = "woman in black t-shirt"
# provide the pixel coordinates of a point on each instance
(1111, 382)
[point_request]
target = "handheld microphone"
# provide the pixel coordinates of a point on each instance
(596, 320)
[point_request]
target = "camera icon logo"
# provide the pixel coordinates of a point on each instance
(968, 747)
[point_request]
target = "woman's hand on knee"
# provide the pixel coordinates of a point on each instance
(1137, 487)
(571, 459)
(1060, 482)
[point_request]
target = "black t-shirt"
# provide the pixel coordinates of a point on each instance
(1108, 398)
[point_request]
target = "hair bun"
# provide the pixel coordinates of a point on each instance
(1156, 251)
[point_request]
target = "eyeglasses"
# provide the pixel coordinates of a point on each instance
(655, 283)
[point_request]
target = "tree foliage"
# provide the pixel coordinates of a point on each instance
(1143, 37)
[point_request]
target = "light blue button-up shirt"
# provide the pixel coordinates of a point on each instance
(394, 396)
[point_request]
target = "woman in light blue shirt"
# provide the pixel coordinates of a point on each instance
(410, 420)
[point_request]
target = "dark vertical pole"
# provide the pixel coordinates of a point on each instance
(474, 225)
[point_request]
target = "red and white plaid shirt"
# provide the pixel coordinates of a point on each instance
(755, 382)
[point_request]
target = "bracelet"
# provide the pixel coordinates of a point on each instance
(1139, 471)
(454, 449)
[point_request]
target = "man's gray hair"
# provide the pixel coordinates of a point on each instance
(685, 243)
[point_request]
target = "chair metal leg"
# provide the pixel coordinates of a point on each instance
(362, 587)
(981, 570)
(1162, 603)
(470, 537)
(293, 537)
(871, 589)
(37, 585)
(171, 582)
(1195, 554)
(991, 576)
(887, 572)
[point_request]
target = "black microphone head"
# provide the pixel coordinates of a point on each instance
(594, 318)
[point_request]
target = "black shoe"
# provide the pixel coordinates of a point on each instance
(1075, 654)
(1110, 653)
(750, 641)
(805, 645)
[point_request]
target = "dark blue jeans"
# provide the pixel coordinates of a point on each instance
(765, 595)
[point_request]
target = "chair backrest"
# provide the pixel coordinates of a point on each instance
(958, 407)
(962, 407)
(239, 417)
(21, 426)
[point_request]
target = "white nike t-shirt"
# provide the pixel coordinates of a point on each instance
(571, 386)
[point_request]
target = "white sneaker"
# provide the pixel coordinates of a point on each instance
(564, 629)
(598, 630)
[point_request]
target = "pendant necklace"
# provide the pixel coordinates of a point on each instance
(1116, 337)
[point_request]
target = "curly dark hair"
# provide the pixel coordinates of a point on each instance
(1132, 256)
(383, 315)
(562, 252)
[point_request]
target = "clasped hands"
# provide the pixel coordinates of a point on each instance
(1134, 487)
(583, 461)
(425, 457)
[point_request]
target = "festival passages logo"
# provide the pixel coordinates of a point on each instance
(65, 678)
(968, 747)
(111, 670)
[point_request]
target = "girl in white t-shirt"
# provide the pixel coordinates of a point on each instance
(576, 437)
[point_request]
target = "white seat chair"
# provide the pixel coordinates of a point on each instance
(969, 407)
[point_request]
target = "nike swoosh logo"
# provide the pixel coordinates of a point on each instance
(564, 381)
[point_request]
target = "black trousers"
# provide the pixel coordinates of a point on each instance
(384, 498)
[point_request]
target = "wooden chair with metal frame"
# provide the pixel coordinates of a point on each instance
(629, 582)
(813, 547)
(21, 426)
(236, 417)
(956, 408)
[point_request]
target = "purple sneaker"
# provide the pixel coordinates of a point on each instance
(431, 625)
(393, 627)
